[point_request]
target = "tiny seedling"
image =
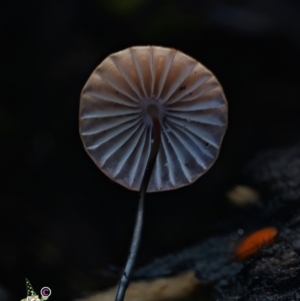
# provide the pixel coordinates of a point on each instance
(33, 296)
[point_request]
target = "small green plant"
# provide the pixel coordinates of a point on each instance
(33, 296)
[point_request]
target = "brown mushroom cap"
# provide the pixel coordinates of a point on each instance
(120, 97)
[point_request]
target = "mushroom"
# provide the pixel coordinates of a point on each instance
(152, 119)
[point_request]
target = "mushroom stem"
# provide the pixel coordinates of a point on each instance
(124, 281)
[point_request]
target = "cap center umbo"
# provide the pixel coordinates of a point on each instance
(152, 110)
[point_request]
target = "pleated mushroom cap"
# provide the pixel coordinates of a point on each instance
(115, 117)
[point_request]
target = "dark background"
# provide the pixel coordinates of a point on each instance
(63, 223)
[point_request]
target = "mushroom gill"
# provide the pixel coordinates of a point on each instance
(117, 106)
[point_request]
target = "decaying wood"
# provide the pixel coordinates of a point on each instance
(173, 288)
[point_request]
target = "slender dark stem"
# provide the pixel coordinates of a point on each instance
(124, 281)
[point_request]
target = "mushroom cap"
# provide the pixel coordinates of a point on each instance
(116, 104)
